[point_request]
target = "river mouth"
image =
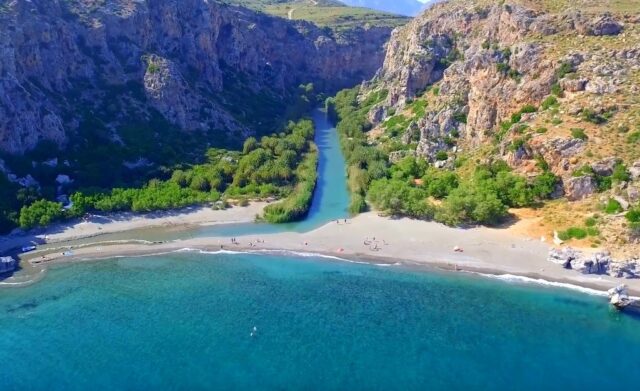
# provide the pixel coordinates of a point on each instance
(330, 202)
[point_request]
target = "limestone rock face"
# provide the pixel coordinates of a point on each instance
(602, 25)
(486, 68)
(580, 187)
(634, 170)
(605, 167)
(59, 59)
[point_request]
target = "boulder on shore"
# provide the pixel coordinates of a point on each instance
(593, 263)
(7, 264)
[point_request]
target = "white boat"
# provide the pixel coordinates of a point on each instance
(26, 249)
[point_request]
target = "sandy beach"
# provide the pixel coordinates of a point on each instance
(98, 225)
(368, 236)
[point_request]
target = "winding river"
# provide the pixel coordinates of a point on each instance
(214, 320)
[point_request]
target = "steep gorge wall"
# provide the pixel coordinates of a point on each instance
(63, 61)
(491, 59)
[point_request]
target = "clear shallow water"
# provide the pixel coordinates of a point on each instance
(183, 321)
(330, 198)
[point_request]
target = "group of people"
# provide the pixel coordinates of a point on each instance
(251, 244)
(373, 243)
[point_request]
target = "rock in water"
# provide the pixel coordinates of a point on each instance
(7, 264)
(619, 296)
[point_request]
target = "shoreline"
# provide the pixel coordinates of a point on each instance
(121, 223)
(410, 243)
(365, 259)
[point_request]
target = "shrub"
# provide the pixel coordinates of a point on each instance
(515, 118)
(528, 109)
(542, 130)
(573, 233)
(589, 115)
(442, 155)
(357, 204)
(502, 67)
(515, 75)
(549, 102)
(152, 68)
(460, 117)
(579, 134)
(620, 173)
(472, 203)
(633, 216)
(556, 90)
(582, 171)
(516, 144)
(565, 68)
(440, 183)
(40, 214)
(633, 137)
(590, 222)
(612, 207)
(544, 185)
(593, 231)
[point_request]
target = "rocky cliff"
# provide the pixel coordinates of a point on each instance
(66, 66)
(537, 84)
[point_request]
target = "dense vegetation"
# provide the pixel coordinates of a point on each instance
(135, 172)
(278, 166)
(365, 163)
(411, 187)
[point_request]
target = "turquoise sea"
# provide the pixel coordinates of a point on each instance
(184, 321)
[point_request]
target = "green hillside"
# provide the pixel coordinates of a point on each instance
(329, 13)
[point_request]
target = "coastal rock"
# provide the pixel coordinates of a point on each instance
(602, 25)
(634, 170)
(7, 265)
(601, 86)
(573, 85)
(377, 115)
(633, 194)
(605, 167)
(577, 188)
(593, 263)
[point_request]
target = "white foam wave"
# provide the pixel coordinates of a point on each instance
(540, 281)
(290, 253)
